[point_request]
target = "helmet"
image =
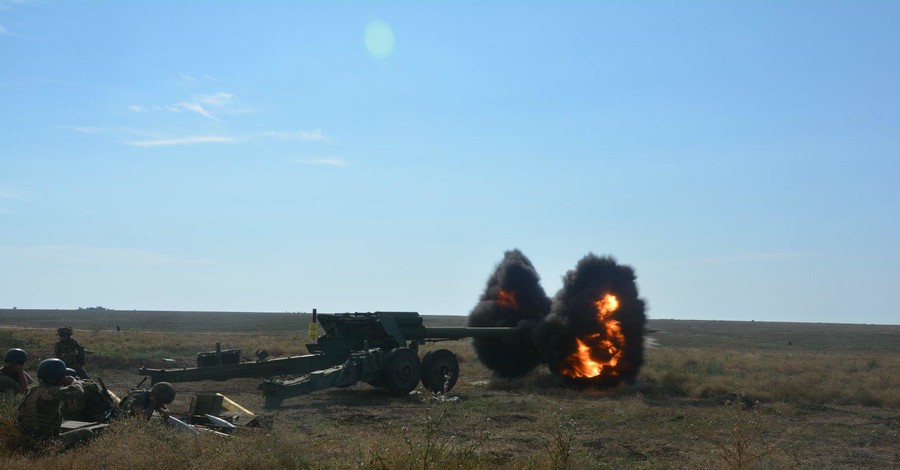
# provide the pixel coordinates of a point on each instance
(64, 331)
(16, 356)
(163, 392)
(51, 369)
(71, 372)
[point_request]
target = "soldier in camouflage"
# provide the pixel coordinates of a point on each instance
(13, 378)
(97, 404)
(144, 402)
(70, 351)
(38, 415)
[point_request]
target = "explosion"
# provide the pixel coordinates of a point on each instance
(609, 346)
(506, 299)
(590, 334)
(513, 297)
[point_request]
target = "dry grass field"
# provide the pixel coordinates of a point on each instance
(711, 395)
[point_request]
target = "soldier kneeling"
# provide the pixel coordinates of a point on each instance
(97, 404)
(38, 416)
(144, 402)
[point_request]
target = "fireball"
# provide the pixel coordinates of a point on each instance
(507, 298)
(598, 353)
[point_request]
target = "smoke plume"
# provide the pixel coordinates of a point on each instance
(513, 297)
(594, 333)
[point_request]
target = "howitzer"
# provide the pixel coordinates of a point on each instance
(379, 348)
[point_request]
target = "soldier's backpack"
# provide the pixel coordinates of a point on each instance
(96, 405)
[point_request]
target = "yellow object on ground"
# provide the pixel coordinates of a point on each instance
(229, 405)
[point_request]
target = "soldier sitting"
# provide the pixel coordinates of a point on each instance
(97, 404)
(144, 402)
(13, 377)
(38, 415)
(70, 351)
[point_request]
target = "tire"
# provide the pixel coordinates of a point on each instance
(440, 370)
(402, 371)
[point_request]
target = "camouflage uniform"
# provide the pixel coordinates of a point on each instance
(146, 402)
(8, 383)
(72, 353)
(38, 415)
(136, 399)
(94, 405)
(14, 380)
(13, 377)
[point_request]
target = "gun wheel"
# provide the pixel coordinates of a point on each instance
(440, 370)
(402, 371)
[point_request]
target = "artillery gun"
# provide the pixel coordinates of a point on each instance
(379, 348)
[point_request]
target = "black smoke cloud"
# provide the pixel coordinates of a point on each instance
(510, 357)
(573, 314)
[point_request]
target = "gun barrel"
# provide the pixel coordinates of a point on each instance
(473, 332)
(294, 365)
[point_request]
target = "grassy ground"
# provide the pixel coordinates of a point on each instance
(711, 395)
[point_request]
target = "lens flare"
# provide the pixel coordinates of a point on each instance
(379, 40)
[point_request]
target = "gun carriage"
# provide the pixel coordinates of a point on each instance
(379, 348)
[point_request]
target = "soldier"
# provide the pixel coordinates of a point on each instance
(70, 351)
(13, 377)
(97, 404)
(38, 415)
(145, 402)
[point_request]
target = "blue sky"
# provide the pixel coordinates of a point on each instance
(350, 156)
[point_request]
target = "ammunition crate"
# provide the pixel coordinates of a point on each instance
(219, 358)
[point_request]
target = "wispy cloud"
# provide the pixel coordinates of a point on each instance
(86, 255)
(218, 100)
(10, 194)
(211, 106)
(90, 130)
(322, 161)
(190, 140)
(4, 31)
(109, 130)
(208, 106)
(193, 108)
(315, 134)
(189, 77)
(4, 4)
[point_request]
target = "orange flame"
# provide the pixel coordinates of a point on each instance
(584, 361)
(506, 298)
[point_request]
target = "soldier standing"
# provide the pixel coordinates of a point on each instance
(13, 377)
(38, 415)
(70, 351)
(144, 402)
